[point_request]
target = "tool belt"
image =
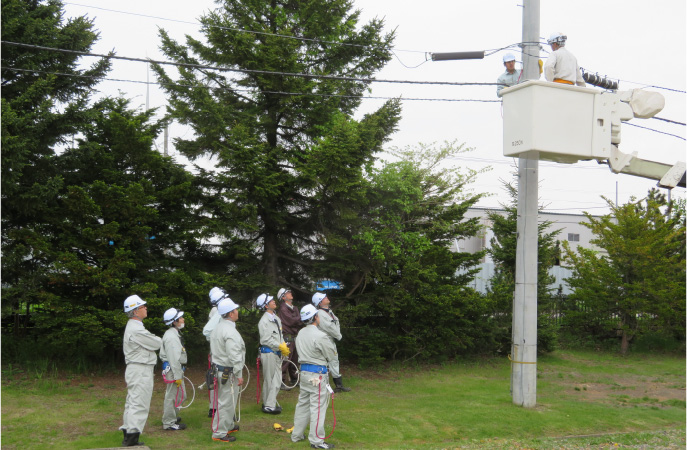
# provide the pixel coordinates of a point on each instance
(264, 349)
(313, 368)
(222, 372)
(562, 81)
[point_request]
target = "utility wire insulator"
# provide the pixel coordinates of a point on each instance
(598, 80)
(457, 55)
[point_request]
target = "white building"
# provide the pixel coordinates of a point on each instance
(571, 228)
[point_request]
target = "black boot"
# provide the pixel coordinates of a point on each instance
(339, 385)
(124, 441)
(131, 440)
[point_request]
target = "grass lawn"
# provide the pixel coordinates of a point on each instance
(584, 400)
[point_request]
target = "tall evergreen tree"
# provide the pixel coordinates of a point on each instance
(44, 104)
(271, 97)
(638, 285)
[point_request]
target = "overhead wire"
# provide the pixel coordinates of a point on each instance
(246, 71)
(314, 94)
(656, 131)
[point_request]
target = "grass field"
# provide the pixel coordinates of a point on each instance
(584, 400)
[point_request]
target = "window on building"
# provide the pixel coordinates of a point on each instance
(573, 237)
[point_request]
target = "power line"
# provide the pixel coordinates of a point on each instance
(252, 91)
(669, 121)
(656, 131)
(246, 71)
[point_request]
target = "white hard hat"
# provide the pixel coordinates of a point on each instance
(282, 292)
(558, 38)
(226, 305)
(216, 294)
(508, 57)
(263, 300)
(132, 302)
(307, 312)
(317, 298)
(171, 315)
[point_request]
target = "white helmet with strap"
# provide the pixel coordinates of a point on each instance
(282, 292)
(263, 300)
(308, 312)
(132, 302)
(226, 305)
(557, 38)
(317, 298)
(172, 315)
(216, 294)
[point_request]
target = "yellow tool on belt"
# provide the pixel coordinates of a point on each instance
(284, 349)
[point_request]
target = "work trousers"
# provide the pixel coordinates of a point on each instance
(271, 378)
(227, 396)
(139, 385)
(211, 392)
(174, 395)
(287, 367)
(313, 390)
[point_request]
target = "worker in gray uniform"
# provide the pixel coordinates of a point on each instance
(216, 294)
(316, 353)
(139, 348)
(511, 76)
(228, 358)
(330, 325)
(173, 357)
(272, 347)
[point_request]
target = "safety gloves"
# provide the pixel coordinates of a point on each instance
(178, 382)
(284, 349)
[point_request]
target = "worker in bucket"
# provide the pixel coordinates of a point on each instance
(139, 348)
(329, 323)
(216, 294)
(561, 66)
(291, 323)
(317, 351)
(173, 357)
(272, 347)
(228, 358)
(511, 76)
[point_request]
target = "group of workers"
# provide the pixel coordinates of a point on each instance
(560, 67)
(288, 337)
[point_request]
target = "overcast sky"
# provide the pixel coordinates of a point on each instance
(640, 43)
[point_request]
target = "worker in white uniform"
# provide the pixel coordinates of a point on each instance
(561, 66)
(317, 351)
(216, 294)
(272, 347)
(511, 76)
(329, 323)
(139, 348)
(228, 358)
(173, 357)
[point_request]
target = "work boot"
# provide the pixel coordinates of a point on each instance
(211, 412)
(225, 438)
(124, 440)
(176, 427)
(233, 430)
(322, 445)
(339, 385)
(131, 440)
(178, 420)
(268, 410)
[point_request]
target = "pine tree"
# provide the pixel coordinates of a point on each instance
(638, 285)
(272, 100)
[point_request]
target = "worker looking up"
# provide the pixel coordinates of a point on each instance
(228, 358)
(330, 325)
(561, 67)
(291, 323)
(174, 358)
(317, 353)
(511, 76)
(139, 348)
(272, 347)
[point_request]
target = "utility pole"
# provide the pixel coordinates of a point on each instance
(524, 346)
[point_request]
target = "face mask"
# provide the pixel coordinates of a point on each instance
(181, 325)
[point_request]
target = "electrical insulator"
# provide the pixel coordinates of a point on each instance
(597, 80)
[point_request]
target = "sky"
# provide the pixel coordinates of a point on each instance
(640, 43)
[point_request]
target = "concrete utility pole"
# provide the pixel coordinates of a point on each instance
(524, 347)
